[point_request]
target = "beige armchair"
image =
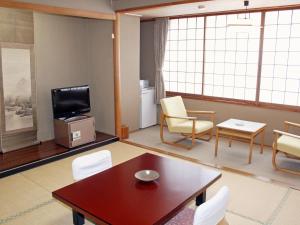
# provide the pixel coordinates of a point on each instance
(178, 121)
(287, 143)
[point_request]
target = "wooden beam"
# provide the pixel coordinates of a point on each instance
(117, 79)
(261, 47)
(57, 10)
(234, 11)
(160, 5)
(203, 56)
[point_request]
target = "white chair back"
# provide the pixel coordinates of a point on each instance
(88, 165)
(213, 211)
(173, 106)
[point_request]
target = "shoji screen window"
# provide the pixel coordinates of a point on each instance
(231, 57)
(184, 55)
(280, 77)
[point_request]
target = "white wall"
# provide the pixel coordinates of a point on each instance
(100, 69)
(93, 5)
(58, 40)
(147, 69)
(66, 55)
(130, 70)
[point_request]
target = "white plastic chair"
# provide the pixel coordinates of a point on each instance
(88, 165)
(211, 212)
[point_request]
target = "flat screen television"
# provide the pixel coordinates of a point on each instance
(70, 101)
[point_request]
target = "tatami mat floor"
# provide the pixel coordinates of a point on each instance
(26, 197)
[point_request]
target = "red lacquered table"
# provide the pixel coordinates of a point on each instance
(116, 197)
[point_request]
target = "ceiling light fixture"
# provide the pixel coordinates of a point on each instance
(244, 19)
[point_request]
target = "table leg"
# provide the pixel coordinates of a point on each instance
(201, 198)
(262, 141)
(78, 218)
(217, 142)
(251, 149)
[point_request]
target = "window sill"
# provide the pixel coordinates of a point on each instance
(237, 102)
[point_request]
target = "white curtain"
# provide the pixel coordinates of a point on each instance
(160, 39)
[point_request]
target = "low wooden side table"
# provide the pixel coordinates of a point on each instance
(243, 129)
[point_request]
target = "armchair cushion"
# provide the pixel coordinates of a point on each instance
(290, 145)
(186, 126)
(173, 106)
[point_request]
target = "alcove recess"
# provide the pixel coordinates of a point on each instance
(18, 120)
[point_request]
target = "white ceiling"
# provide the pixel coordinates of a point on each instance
(210, 6)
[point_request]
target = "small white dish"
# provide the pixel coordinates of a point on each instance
(146, 175)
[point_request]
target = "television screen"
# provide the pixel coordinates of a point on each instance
(70, 101)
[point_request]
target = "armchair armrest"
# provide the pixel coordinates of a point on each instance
(211, 114)
(200, 112)
(287, 123)
(181, 117)
(278, 132)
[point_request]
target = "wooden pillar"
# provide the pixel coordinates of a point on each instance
(261, 47)
(117, 80)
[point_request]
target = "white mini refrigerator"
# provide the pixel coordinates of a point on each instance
(148, 108)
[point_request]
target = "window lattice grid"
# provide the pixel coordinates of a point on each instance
(280, 76)
(231, 58)
(184, 56)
